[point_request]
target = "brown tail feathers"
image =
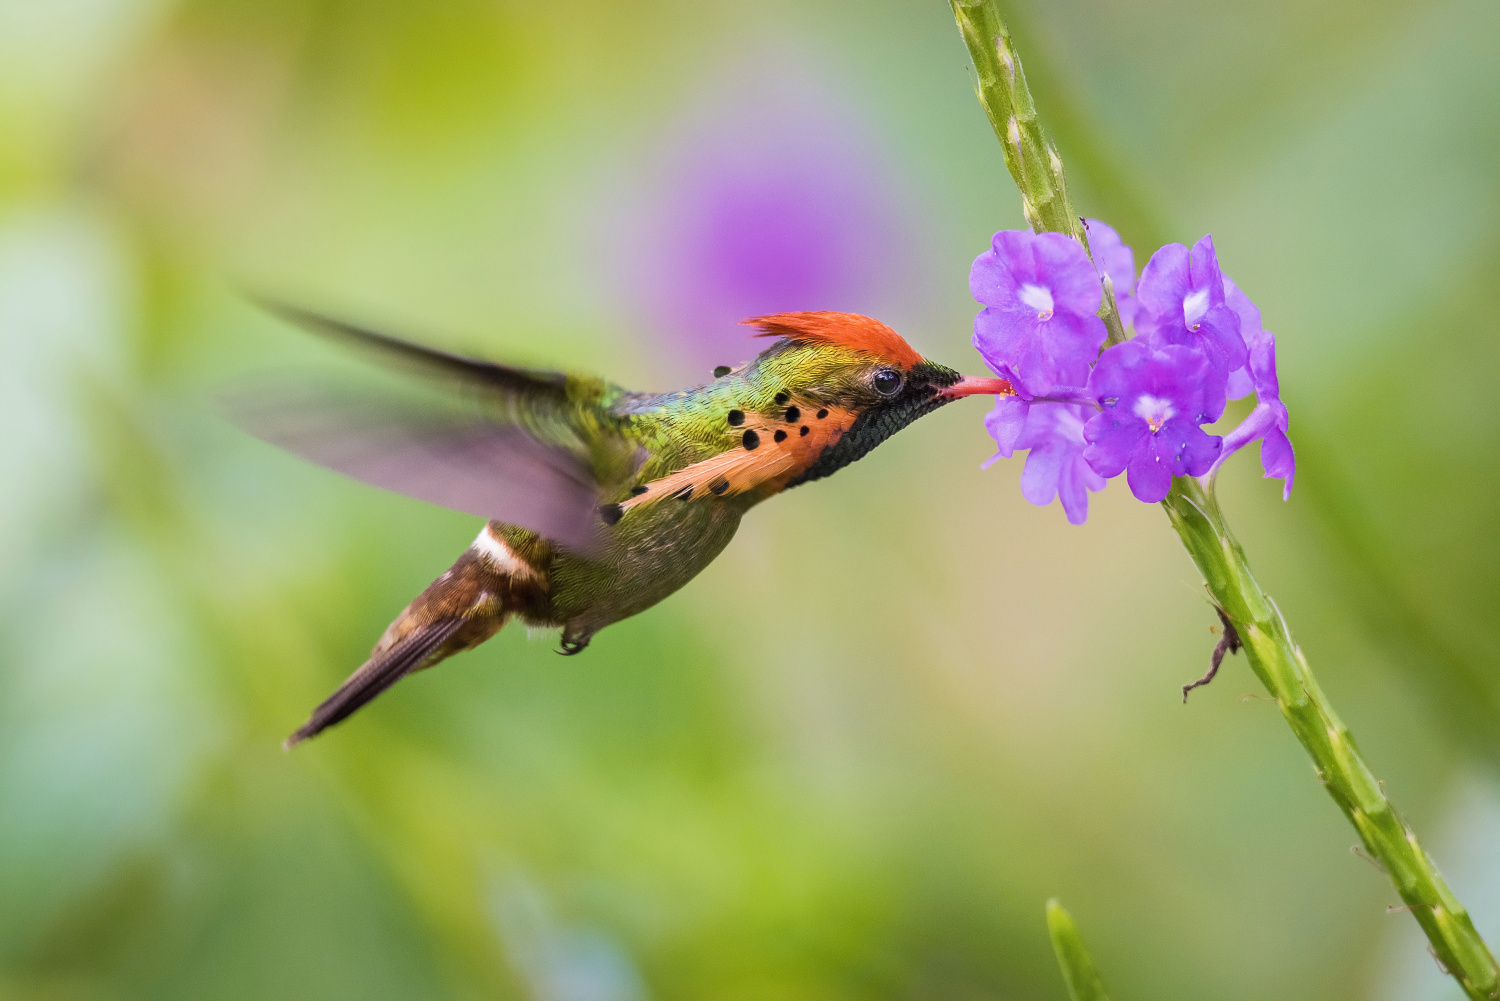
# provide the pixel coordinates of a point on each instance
(461, 609)
(377, 674)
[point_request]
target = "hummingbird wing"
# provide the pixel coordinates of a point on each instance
(427, 361)
(503, 443)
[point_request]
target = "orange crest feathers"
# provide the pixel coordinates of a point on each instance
(848, 330)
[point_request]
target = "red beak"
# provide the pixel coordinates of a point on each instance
(978, 385)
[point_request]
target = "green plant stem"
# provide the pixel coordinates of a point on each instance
(1077, 966)
(1279, 664)
(1196, 516)
(1031, 160)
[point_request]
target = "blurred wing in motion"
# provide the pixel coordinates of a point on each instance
(432, 362)
(485, 468)
(504, 447)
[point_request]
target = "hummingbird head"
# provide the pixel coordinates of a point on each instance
(864, 369)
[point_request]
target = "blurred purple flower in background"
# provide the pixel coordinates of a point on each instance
(1153, 401)
(1038, 327)
(1181, 297)
(1114, 258)
(768, 199)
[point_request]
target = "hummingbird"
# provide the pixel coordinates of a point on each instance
(600, 502)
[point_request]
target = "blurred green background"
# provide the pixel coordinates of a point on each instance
(855, 756)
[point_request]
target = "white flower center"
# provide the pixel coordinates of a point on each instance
(1039, 299)
(1153, 411)
(1193, 308)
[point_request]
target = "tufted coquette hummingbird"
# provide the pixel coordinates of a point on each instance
(601, 502)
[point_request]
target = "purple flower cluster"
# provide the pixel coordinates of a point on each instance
(1139, 407)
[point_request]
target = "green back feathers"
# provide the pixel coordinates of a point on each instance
(690, 425)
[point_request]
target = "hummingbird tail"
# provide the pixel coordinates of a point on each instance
(376, 675)
(461, 609)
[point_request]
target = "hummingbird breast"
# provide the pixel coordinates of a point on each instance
(646, 557)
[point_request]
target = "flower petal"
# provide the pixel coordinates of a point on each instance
(1188, 376)
(1278, 459)
(1117, 370)
(1261, 420)
(1073, 488)
(1183, 302)
(1247, 311)
(1192, 450)
(1177, 373)
(1056, 467)
(1044, 466)
(1240, 384)
(1068, 272)
(1166, 281)
(1050, 422)
(1111, 256)
(1112, 437)
(1262, 366)
(991, 279)
(1218, 332)
(1005, 335)
(1039, 327)
(1071, 341)
(1006, 423)
(1149, 472)
(1206, 275)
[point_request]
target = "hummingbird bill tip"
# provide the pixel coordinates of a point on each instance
(978, 385)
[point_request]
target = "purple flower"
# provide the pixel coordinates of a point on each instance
(1240, 382)
(1153, 400)
(1182, 302)
(1268, 422)
(1038, 328)
(1112, 257)
(1055, 465)
(1200, 341)
(1006, 423)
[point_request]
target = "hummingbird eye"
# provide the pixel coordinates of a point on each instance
(887, 382)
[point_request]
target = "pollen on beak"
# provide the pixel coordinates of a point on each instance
(978, 385)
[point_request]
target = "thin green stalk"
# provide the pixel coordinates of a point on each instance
(1030, 158)
(1281, 667)
(1196, 516)
(1077, 967)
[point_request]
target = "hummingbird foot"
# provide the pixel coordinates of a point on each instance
(1228, 643)
(574, 642)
